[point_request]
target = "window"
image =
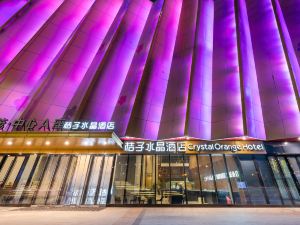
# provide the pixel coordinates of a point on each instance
(222, 180)
(192, 178)
(237, 180)
(254, 186)
(207, 180)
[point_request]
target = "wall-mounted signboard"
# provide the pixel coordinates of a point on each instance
(57, 125)
(205, 147)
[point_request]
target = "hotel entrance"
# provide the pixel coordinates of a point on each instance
(56, 168)
(98, 169)
(212, 179)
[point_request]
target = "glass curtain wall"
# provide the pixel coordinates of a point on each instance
(221, 178)
(149, 179)
(94, 178)
(253, 180)
(238, 183)
(55, 179)
(281, 183)
(192, 180)
(163, 179)
(21, 184)
(270, 186)
(209, 195)
(177, 194)
(33, 182)
(119, 179)
(205, 179)
(10, 180)
(291, 182)
(102, 192)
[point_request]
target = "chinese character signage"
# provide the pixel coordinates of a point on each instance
(93, 126)
(57, 125)
(192, 147)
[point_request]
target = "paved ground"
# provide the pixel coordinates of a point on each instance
(151, 216)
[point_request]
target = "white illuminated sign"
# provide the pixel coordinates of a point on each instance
(220, 176)
(167, 146)
(225, 147)
(85, 125)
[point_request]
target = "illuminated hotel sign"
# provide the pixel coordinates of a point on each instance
(85, 125)
(192, 147)
(57, 125)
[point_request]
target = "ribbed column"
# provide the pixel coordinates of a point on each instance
(253, 118)
(106, 90)
(288, 48)
(279, 104)
(291, 12)
(18, 34)
(227, 113)
(129, 91)
(81, 96)
(9, 9)
(52, 100)
(173, 118)
(146, 115)
(199, 112)
(40, 55)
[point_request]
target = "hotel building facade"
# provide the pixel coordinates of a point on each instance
(150, 102)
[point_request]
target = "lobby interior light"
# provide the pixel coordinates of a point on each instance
(9, 143)
(47, 143)
(298, 138)
(285, 143)
(88, 142)
(67, 142)
(28, 142)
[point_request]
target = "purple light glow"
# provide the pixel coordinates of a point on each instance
(129, 91)
(67, 75)
(227, 118)
(200, 102)
(254, 117)
(10, 8)
(148, 107)
(279, 106)
(173, 117)
(290, 50)
(18, 34)
(36, 58)
(104, 96)
(208, 69)
(80, 97)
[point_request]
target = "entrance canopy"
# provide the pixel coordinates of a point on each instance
(60, 142)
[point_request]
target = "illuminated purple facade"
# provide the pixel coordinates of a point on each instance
(208, 69)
